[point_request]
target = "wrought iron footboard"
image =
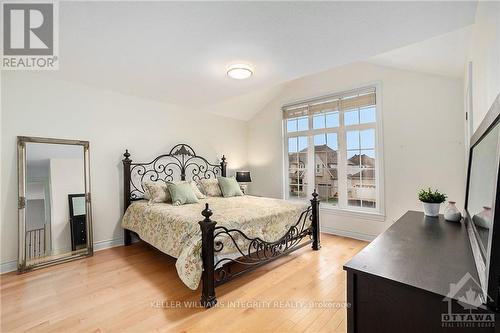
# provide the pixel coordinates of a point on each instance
(251, 252)
(255, 251)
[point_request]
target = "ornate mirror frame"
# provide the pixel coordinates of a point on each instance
(21, 167)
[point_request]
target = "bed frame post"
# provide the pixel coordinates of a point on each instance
(316, 244)
(127, 234)
(223, 165)
(207, 226)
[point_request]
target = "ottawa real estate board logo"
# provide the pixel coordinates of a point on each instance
(30, 36)
(468, 310)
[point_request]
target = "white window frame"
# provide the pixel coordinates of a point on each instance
(342, 208)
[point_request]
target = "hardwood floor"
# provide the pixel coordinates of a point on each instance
(135, 289)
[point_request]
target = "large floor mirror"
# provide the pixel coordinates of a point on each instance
(55, 215)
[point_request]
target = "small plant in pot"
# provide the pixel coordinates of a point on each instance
(432, 201)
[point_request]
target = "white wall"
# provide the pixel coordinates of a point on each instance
(484, 52)
(35, 213)
(67, 176)
(423, 139)
(34, 105)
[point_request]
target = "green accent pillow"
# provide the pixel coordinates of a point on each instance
(181, 193)
(229, 187)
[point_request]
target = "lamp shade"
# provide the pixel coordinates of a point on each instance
(243, 177)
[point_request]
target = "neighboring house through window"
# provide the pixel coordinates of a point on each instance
(333, 144)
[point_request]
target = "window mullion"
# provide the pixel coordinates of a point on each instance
(360, 127)
(324, 130)
(311, 165)
(342, 162)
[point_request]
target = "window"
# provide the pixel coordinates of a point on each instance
(319, 169)
(332, 145)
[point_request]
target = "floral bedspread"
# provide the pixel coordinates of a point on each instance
(175, 231)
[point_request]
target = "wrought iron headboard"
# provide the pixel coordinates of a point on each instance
(179, 162)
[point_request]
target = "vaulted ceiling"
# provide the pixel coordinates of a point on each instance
(443, 55)
(177, 52)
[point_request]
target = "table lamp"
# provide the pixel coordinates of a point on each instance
(243, 177)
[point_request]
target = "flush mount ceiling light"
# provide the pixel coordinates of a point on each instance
(239, 71)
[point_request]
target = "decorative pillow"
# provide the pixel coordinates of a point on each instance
(229, 187)
(156, 192)
(211, 187)
(197, 191)
(146, 195)
(182, 193)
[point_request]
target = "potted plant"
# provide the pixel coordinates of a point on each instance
(431, 201)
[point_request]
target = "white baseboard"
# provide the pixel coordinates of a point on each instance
(106, 244)
(347, 233)
(10, 266)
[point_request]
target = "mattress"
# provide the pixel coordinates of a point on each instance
(175, 231)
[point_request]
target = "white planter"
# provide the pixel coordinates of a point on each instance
(431, 209)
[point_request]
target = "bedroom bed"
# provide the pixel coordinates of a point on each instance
(237, 234)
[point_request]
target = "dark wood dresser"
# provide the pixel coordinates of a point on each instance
(401, 282)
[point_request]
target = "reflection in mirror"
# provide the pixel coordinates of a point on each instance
(482, 185)
(78, 204)
(55, 216)
(77, 217)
